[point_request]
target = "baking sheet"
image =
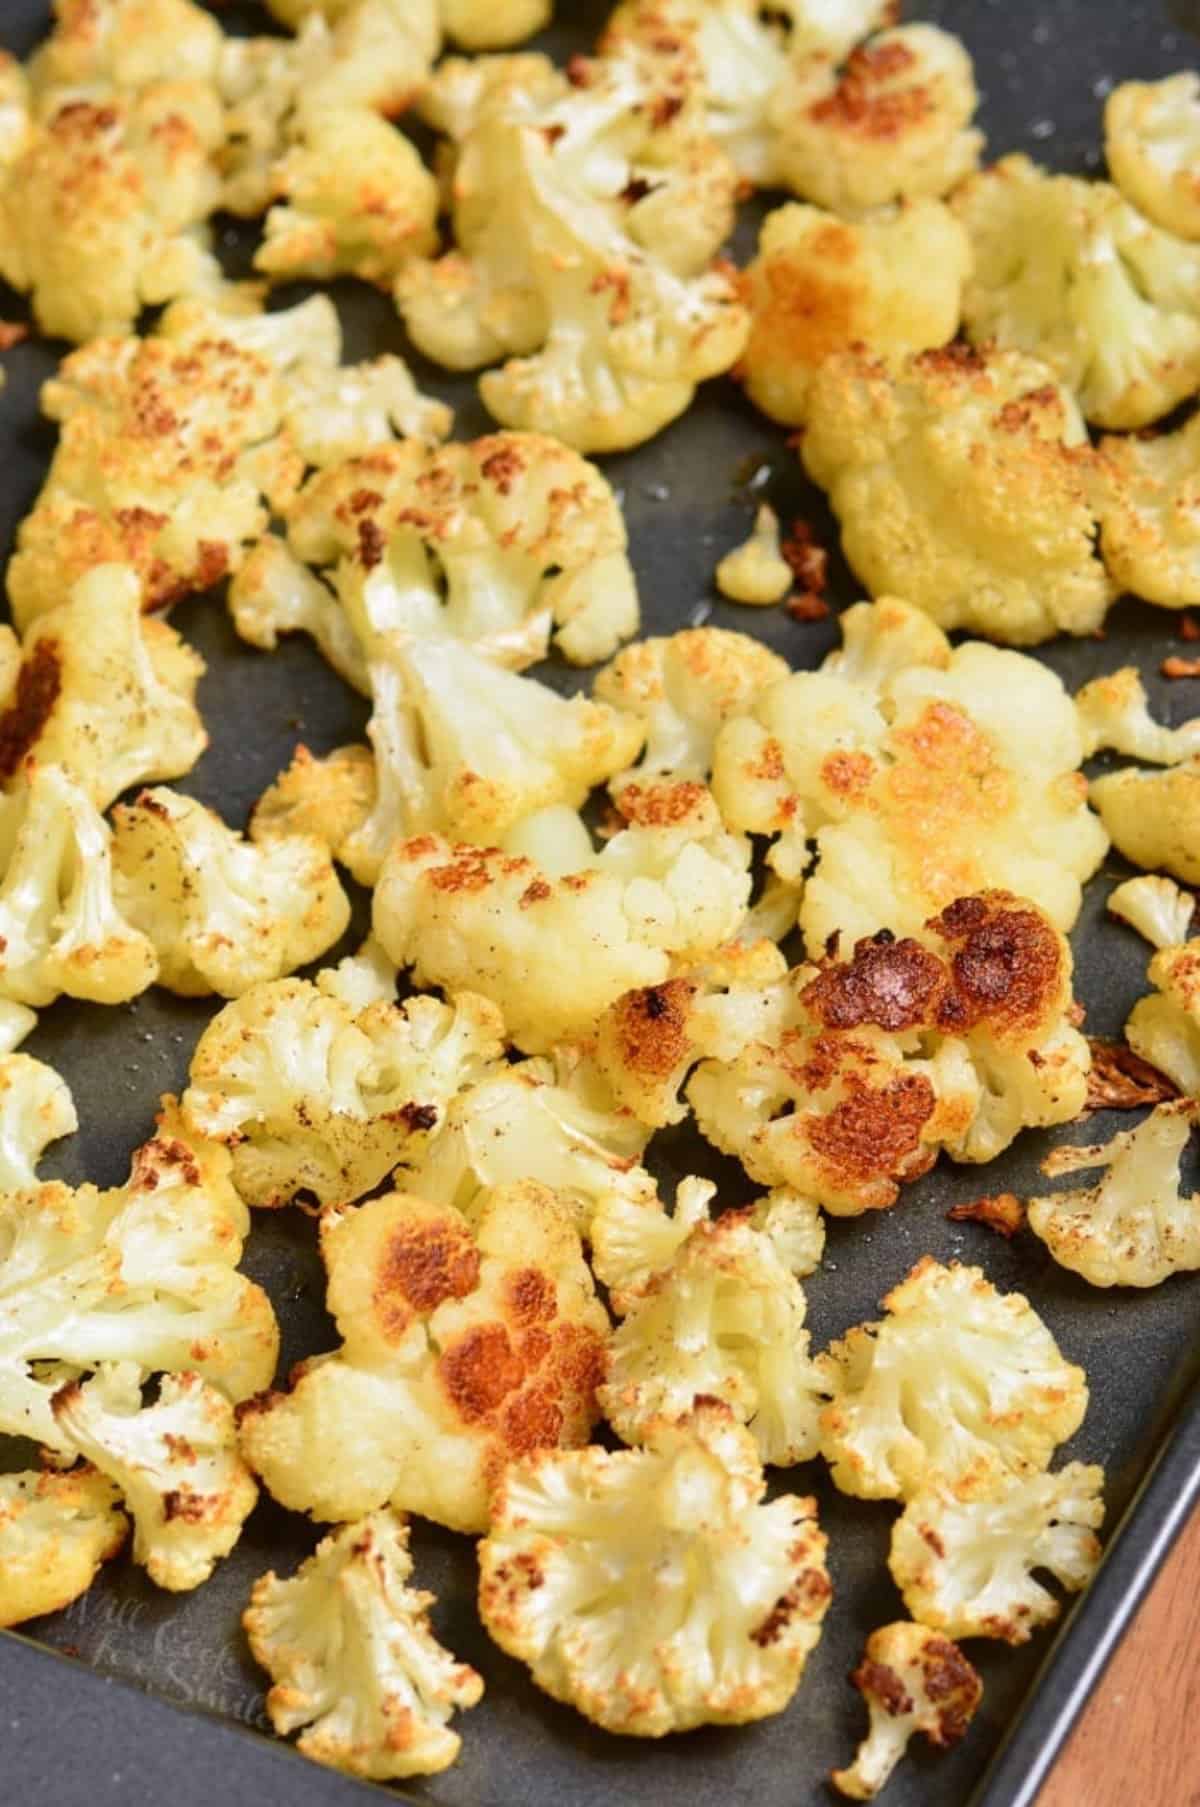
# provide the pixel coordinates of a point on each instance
(688, 496)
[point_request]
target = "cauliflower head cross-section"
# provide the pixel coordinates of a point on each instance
(653, 1590)
(56, 1531)
(912, 1680)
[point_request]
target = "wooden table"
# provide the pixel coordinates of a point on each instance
(1138, 1743)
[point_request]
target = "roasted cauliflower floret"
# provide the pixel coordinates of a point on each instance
(36, 1108)
(961, 480)
(483, 25)
(334, 412)
(124, 45)
(327, 797)
(1154, 817)
(222, 913)
(756, 572)
(273, 594)
(100, 210)
(1159, 909)
(498, 543)
(725, 1320)
(1152, 143)
(1067, 271)
(1114, 712)
(957, 1380)
(1134, 1227)
(966, 1568)
(314, 1096)
(818, 285)
(653, 1590)
(55, 1532)
(893, 123)
(144, 1272)
(353, 1660)
(461, 1351)
(175, 1462)
(102, 694)
(1150, 514)
(913, 1681)
(1164, 1028)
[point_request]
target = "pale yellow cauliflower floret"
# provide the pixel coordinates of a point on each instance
(1154, 817)
(913, 1680)
(56, 1530)
(36, 1108)
(354, 1664)
(654, 1590)
(222, 913)
(1114, 712)
(1134, 1227)
(312, 1095)
(124, 45)
(892, 280)
(1152, 143)
(326, 797)
(966, 1568)
(1159, 909)
(756, 571)
(957, 1380)
(462, 1350)
(273, 594)
(175, 1462)
(1164, 1027)
(1069, 272)
(488, 25)
(963, 482)
(15, 123)
(893, 122)
(1149, 506)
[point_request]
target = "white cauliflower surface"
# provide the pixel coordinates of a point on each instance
(354, 1663)
(654, 1590)
(36, 1108)
(1160, 910)
(56, 1530)
(1164, 1027)
(912, 1680)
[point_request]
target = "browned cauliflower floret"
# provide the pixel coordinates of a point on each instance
(962, 481)
(461, 1351)
(55, 1532)
(892, 280)
(1149, 506)
(894, 122)
(958, 1381)
(355, 1665)
(1152, 142)
(756, 572)
(313, 1096)
(913, 1680)
(1154, 817)
(653, 1590)
(328, 797)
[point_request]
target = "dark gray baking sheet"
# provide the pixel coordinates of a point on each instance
(67, 1737)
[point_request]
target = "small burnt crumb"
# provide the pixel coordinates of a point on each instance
(1189, 628)
(808, 560)
(807, 607)
(1121, 1080)
(999, 1211)
(417, 1117)
(11, 333)
(635, 190)
(1176, 667)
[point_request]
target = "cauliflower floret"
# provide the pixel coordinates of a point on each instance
(683, 687)
(492, 543)
(958, 1380)
(176, 1463)
(1134, 1227)
(962, 481)
(221, 912)
(1154, 817)
(1066, 270)
(327, 797)
(36, 1108)
(946, 781)
(894, 122)
(587, 220)
(1157, 908)
(1114, 712)
(55, 1532)
(725, 1320)
(313, 1095)
(124, 45)
(100, 210)
(355, 1665)
(484, 25)
(756, 571)
(272, 593)
(1152, 143)
(144, 1272)
(332, 413)
(1149, 507)
(653, 1590)
(461, 1351)
(60, 927)
(882, 639)
(912, 1681)
(1165, 1027)
(102, 693)
(966, 1567)
(892, 280)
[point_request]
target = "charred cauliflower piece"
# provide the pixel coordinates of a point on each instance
(1134, 1227)
(962, 480)
(966, 1568)
(175, 1462)
(461, 1351)
(36, 1108)
(1164, 1028)
(892, 280)
(912, 1681)
(355, 1665)
(892, 123)
(587, 214)
(56, 1530)
(222, 913)
(1069, 272)
(653, 1590)
(957, 1380)
(314, 1096)
(1154, 817)
(144, 1273)
(1152, 142)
